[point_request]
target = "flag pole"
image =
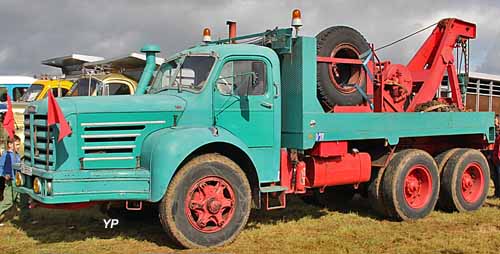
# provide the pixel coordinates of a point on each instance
(47, 139)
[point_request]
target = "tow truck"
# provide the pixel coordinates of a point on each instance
(246, 121)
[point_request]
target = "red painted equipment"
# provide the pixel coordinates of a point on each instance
(232, 30)
(399, 88)
(69, 206)
(329, 164)
(338, 170)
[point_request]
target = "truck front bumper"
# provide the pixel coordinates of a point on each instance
(74, 186)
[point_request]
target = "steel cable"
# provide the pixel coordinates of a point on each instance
(406, 37)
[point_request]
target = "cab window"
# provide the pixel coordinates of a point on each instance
(84, 87)
(118, 89)
(55, 92)
(32, 93)
(18, 93)
(243, 78)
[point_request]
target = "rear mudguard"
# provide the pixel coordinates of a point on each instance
(164, 150)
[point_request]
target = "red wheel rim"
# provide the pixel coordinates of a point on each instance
(210, 204)
(342, 74)
(418, 187)
(472, 182)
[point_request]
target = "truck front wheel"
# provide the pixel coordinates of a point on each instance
(207, 202)
(410, 185)
(465, 181)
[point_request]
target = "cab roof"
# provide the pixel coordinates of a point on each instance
(11, 80)
(223, 50)
(54, 83)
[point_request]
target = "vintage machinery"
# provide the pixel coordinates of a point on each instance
(247, 120)
(346, 80)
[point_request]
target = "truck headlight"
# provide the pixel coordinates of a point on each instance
(19, 179)
(37, 185)
(49, 187)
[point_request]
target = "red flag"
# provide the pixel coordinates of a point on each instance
(55, 115)
(8, 119)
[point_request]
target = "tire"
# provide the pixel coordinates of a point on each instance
(375, 195)
(410, 185)
(334, 195)
(442, 158)
(466, 167)
(343, 42)
(184, 204)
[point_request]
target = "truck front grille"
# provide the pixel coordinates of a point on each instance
(39, 143)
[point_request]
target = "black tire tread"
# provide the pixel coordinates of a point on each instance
(450, 201)
(390, 180)
(322, 42)
(166, 218)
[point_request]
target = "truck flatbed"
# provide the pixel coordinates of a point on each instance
(388, 126)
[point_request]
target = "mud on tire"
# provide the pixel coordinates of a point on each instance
(465, 181)
(207, 202)
(410, 185)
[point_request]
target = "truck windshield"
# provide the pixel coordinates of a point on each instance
(32, 93)
(188, 72)
(84, 87)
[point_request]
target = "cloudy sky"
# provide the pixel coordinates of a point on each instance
(31, 31)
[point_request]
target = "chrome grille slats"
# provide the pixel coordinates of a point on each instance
(39, 145)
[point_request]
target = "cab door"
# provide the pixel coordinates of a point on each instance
(244, 100)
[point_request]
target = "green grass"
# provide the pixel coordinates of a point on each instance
(353, 228)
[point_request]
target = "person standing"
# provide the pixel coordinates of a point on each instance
(7, 160)
(495, 167)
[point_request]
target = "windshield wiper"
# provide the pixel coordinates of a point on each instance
(176, 72)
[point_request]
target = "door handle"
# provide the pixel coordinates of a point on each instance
(266, 105)
(276, 90)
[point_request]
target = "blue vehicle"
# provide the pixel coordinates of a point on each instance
(14, 86)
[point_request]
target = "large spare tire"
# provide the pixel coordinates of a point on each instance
(335, 80)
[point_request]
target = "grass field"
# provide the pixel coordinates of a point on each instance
(352, 228)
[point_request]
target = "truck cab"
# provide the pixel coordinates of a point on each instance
(41, 87)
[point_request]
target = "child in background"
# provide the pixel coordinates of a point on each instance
(7, 160)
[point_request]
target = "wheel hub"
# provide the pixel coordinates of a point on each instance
(472, 182)
(213, 206)
(210, 204)
(417, 187)
(342, 75)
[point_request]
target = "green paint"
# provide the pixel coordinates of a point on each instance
(129, 147)
(149, 69)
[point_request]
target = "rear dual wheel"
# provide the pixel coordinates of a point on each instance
(464, 181)
(410, 185)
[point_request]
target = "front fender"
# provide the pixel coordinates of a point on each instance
(164, 150)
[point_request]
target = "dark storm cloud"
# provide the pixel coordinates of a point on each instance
(35, 30)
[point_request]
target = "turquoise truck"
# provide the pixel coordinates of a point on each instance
(242, 122)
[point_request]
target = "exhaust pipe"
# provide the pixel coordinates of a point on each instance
(232, 30)
(149, 69)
